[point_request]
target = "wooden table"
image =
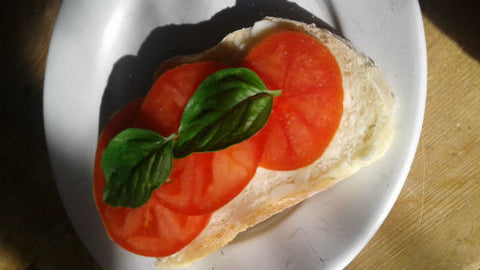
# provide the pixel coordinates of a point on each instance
(435, 224)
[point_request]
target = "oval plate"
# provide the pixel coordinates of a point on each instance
(104, 53)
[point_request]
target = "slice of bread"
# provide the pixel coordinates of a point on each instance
(364, 135)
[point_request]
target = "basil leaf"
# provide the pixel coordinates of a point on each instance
(135, 163)
(228, 107)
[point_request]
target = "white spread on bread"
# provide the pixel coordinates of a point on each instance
(364, 135)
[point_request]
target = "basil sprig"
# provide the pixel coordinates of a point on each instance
(228, 107)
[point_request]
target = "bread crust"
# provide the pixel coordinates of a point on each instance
(364, 135)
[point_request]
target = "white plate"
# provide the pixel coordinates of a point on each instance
(113, 46)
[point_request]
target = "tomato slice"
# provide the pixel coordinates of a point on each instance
(163, 106)
(152, 229)
(306, 116)
(204, 182)
(201, 182)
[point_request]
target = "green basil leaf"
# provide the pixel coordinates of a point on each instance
(228, 107)
(135, 163)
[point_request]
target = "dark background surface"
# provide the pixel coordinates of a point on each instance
(35, 232)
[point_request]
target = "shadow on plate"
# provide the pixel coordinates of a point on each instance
(132, 76)
(265, 226)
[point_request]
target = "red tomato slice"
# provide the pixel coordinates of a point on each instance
(307, 114)
(163, 106)
(201, 182)
(152, 229)
(204, 182)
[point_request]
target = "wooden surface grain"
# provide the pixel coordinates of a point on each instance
(435, 224)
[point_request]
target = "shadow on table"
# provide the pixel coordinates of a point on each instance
(132, 76)
(35, 232)
(460, 20)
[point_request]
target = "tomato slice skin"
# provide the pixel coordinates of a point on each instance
(306, 116)
(202, 182)
(152, 229)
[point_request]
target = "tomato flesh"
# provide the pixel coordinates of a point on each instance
(163, 106)
(202, 182)
(306, 116)
(152, 229)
